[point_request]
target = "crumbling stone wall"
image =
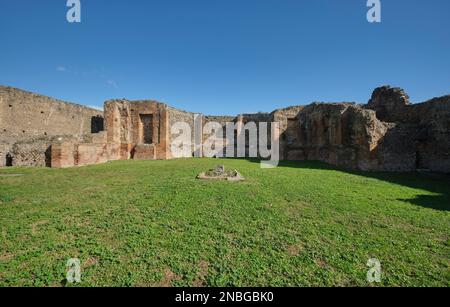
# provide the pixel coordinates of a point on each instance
(220, 135)
(30, 122)
(256, 118)
(134, 130)
(387, 134)
(390, 104)
(240, 123)
(127, 128)
(419, 135)
(25, 115)
(177, 116)
(88, 150)
(341, 134)
(433, 137)
(287, 119)
(35, 152)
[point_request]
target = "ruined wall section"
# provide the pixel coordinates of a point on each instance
(387, 134)
(289, 124)
(180, 116)
(29, 123)
(24, 116)
(137, 129)
(219, 136)
(240, 122)
(390, 103)
(419, 134)
(177, 116)
(118, 129)
(257, 119)
(342, 134)
(433, 134)
(74, 151)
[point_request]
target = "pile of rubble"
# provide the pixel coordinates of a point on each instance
(219, 173)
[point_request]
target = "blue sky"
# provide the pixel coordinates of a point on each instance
(225, 56)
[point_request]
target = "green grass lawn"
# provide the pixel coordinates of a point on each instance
(139, 223)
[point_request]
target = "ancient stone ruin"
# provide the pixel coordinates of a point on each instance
(220, 173)
(387, 134)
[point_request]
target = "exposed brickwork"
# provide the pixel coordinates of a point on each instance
(29, 123)
(134, 123)
(388, 134)
(419, 136)
(25, 115)
(144, 152)
(62, 155)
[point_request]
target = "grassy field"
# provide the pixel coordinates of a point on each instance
(153, 224)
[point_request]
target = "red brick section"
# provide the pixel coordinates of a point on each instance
(162, 149)
(91, 154)
(145, 152)
(62, 155)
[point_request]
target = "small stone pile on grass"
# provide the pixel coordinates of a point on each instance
(219, 173)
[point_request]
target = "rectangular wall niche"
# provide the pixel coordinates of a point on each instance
(146, 128)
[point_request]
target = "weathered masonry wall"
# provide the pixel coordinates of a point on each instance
(134, 130)
(179, 116)
(419, 134)
(341, 134)
(387, 134)
(30, 122)
(25, 115)
(88, 150)
(240, 123)
(139, 129)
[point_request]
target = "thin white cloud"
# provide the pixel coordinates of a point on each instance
(112, 83)
(95, 73)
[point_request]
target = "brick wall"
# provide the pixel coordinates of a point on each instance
(24, 116)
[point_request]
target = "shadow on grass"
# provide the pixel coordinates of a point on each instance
(431, 182)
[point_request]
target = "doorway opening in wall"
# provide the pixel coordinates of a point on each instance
(9, 160)
(147, 128)
(97, 124)
(421, 153)
(421, 162)
(48, 157)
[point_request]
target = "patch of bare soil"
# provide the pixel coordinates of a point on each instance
(200, 281)
(35, 226)
(6, 257)
(295, 249)
(169, 278)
